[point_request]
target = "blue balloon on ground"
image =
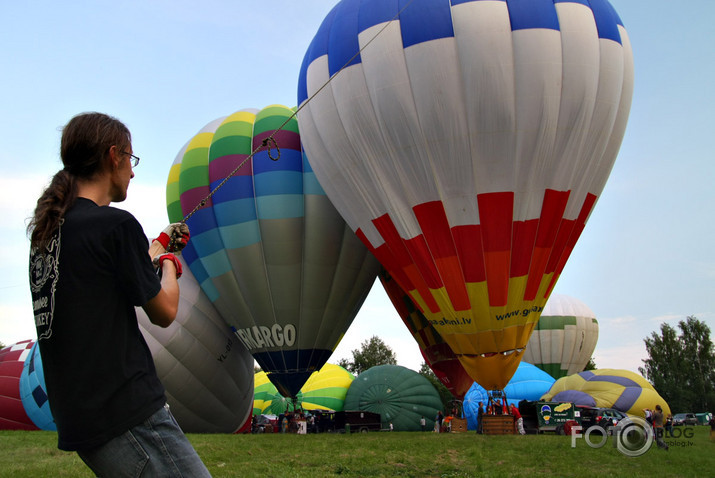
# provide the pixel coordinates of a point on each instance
(33, 392)
(528, 383)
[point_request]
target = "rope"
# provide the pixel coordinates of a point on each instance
(271, 138)
(264, 144)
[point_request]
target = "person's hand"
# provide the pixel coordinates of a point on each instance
(174, 238)
(159, 260)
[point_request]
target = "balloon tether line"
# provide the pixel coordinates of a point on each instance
(265, 142)
(271, 139)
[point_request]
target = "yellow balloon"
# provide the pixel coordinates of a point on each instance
(623, 390)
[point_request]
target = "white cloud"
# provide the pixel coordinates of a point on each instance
(19, 193)
(626, 356)
(16, 323)
(147, 202)
(618, 322)
(667, 318)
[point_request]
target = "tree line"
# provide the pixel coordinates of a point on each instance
(681, 365)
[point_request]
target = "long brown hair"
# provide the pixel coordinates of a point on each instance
(86, 141)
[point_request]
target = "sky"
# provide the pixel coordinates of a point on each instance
(166, 68)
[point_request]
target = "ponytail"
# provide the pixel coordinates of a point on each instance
(51, 208)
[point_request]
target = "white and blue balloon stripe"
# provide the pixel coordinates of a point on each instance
(427, 20)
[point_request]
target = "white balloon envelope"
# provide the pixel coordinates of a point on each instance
(466, 142)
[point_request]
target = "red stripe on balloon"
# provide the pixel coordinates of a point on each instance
(388, 231)
(494, 251)
(522, 248)
(576, 229)
(468, 242)
(403, 259)
(189, 199)
(383, 255)
(552, 213)
(223, 166)
(496, 211)
(420, 254)
(285, 139)
(435, 228)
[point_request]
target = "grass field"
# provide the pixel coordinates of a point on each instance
(34, 454)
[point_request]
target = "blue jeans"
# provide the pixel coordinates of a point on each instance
(156, 447)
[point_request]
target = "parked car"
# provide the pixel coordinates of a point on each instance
(602, 417)
(685, 419)
(606, 417)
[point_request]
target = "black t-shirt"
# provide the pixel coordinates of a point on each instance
(99, 372)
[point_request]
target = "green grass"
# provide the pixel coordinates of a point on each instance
(34, 454)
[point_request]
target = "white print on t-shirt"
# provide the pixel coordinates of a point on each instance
(44, 273)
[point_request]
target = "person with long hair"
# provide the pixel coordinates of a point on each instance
(90, 265)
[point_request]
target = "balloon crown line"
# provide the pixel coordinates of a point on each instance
(268, 142)
(271, 138)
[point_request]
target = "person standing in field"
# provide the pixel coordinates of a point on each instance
(518, 420)
(480, 415)
(90, 265)
(658, 427)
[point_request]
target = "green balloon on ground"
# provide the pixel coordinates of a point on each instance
(400, 395)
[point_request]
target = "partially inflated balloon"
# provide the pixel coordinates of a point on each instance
(401, 396)
(12, 413)
(565, 337)
(528, 383)
(263, 392)
(324, 390)
(466, 142)
(34, 391)
(610, 388)
(269, 249)
(207, 373)
(437, 354)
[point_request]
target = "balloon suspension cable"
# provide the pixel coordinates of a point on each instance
(271, 139)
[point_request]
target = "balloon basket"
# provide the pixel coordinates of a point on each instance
(459, 425)
(498, 425)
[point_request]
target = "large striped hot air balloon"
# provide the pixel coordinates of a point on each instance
(466, 142)
(269, 249)
(565, 337)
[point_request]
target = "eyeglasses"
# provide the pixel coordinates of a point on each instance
(135, 159)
